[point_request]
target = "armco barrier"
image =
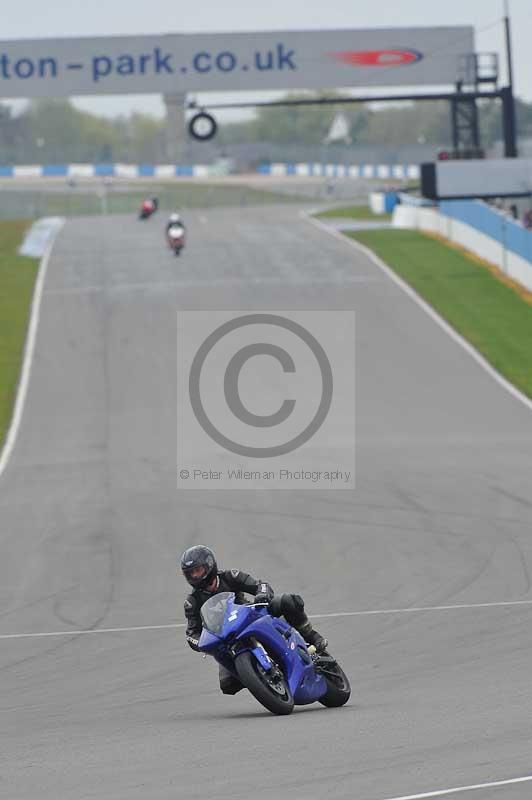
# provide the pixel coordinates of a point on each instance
(492, 223)
(383, 171)
(480, 229)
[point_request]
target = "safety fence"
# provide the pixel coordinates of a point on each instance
(23, 200)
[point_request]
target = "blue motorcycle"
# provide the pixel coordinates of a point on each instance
(269, 657)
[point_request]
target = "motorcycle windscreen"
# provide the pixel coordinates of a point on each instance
(214, 610)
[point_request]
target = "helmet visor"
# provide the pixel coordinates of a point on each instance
(197, 573)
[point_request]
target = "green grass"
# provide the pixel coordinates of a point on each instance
(353, 212)
(17, 278)
(15, 204)
(487, 312)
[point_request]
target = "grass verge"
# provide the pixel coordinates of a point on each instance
(353, 212)
(493, 316)
(17, 279)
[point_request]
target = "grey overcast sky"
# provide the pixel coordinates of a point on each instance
(38, 18)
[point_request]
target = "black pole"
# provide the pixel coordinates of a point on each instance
(508, 123)
(508, 35)
(507, 94)
(454, 122)
(321, 101)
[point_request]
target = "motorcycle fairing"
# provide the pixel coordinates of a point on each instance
(254, 630)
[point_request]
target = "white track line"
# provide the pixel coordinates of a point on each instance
(420, 609)
(29, 348)
(472, 788)
(92, 630)
(370, 613)
(425, 306)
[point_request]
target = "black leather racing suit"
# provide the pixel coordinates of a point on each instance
(291, 606)
(174, 225)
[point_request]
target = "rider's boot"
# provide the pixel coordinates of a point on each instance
(228, 683)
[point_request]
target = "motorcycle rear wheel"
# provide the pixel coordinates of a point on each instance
(271, 690)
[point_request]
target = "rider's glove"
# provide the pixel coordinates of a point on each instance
(264, 593)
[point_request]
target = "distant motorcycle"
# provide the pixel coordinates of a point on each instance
(147, 208)
(269, 657)
(175, 236)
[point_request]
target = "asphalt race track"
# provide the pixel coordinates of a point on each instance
(91, 523)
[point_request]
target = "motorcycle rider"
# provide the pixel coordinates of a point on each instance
(199, 567)
(174, 219)
(147, 208)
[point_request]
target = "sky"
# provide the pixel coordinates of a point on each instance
(37, 19)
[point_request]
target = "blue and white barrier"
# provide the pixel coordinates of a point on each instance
(479, 228)
(309, 170)
(112, 171)
(305, 170)
(409, 199)
(383, 202)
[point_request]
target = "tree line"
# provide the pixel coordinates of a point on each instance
(55, 131)
(397, 124)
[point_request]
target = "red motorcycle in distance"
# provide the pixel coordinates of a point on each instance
(148, 208)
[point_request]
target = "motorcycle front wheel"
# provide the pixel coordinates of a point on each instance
(268, 687)
(338, 686)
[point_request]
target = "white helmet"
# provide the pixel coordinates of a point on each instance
(174, 217)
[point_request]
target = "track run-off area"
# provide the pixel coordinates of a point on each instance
(420, 578)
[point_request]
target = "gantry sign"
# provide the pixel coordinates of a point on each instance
(180, 63)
